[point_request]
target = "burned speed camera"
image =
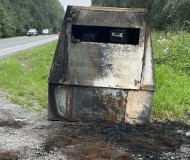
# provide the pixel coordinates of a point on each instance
(103, 67)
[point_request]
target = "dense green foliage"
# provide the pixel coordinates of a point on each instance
(173, 50)
(172, 60)
(164, 14)
(17, 16)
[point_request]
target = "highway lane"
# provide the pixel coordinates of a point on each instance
(11, 46)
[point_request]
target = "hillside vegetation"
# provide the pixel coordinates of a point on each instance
(164, 14)
(17, 16)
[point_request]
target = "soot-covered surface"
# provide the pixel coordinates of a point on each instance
(168, 140)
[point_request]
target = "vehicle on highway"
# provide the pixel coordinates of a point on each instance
(46, 31)
(32, 32)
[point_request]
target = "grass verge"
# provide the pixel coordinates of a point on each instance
(172, 96)
(24, 76)
(172, 64)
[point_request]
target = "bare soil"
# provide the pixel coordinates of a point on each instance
(28, 135)
(12, 124)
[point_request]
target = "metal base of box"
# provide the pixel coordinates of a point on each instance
(77, 103)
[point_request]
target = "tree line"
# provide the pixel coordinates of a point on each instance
(17, 16)
(164, 14)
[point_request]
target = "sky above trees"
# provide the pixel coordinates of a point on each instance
(75, 2)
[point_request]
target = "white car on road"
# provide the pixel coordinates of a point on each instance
(46, 32)
(32, 32)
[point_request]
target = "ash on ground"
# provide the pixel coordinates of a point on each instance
(29, 135)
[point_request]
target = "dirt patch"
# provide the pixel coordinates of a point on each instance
(97, 150)
(104, 140)
(12, 124)
(25, 64)
(9, 155)
(59, 141)
(85, 148)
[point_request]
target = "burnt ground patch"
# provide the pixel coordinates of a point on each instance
(86, 148)
(120, 141)
(9, 155)
(97, 149)
(12, 124)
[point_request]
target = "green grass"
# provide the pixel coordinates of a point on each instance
(172, 49)
(172, 97)
(172, 60)
(25, 76)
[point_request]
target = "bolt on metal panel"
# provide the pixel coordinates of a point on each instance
(103, 66)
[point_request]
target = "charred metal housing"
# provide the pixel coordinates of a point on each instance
(103, 67)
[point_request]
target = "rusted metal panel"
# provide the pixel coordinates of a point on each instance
(99, 104)
(56, 73)
(86, 103)
(59, 63)
(148, 76)
(105, 65)
(109, 17)
(112, 9)
(138, 108)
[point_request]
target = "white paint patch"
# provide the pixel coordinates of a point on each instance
(126, 66)
(60, 98)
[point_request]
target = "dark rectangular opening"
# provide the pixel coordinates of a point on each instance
(105, 34)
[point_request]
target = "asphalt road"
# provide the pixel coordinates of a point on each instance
(11, 46)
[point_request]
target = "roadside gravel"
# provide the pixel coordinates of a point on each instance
(22, 132)
(28, 135)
